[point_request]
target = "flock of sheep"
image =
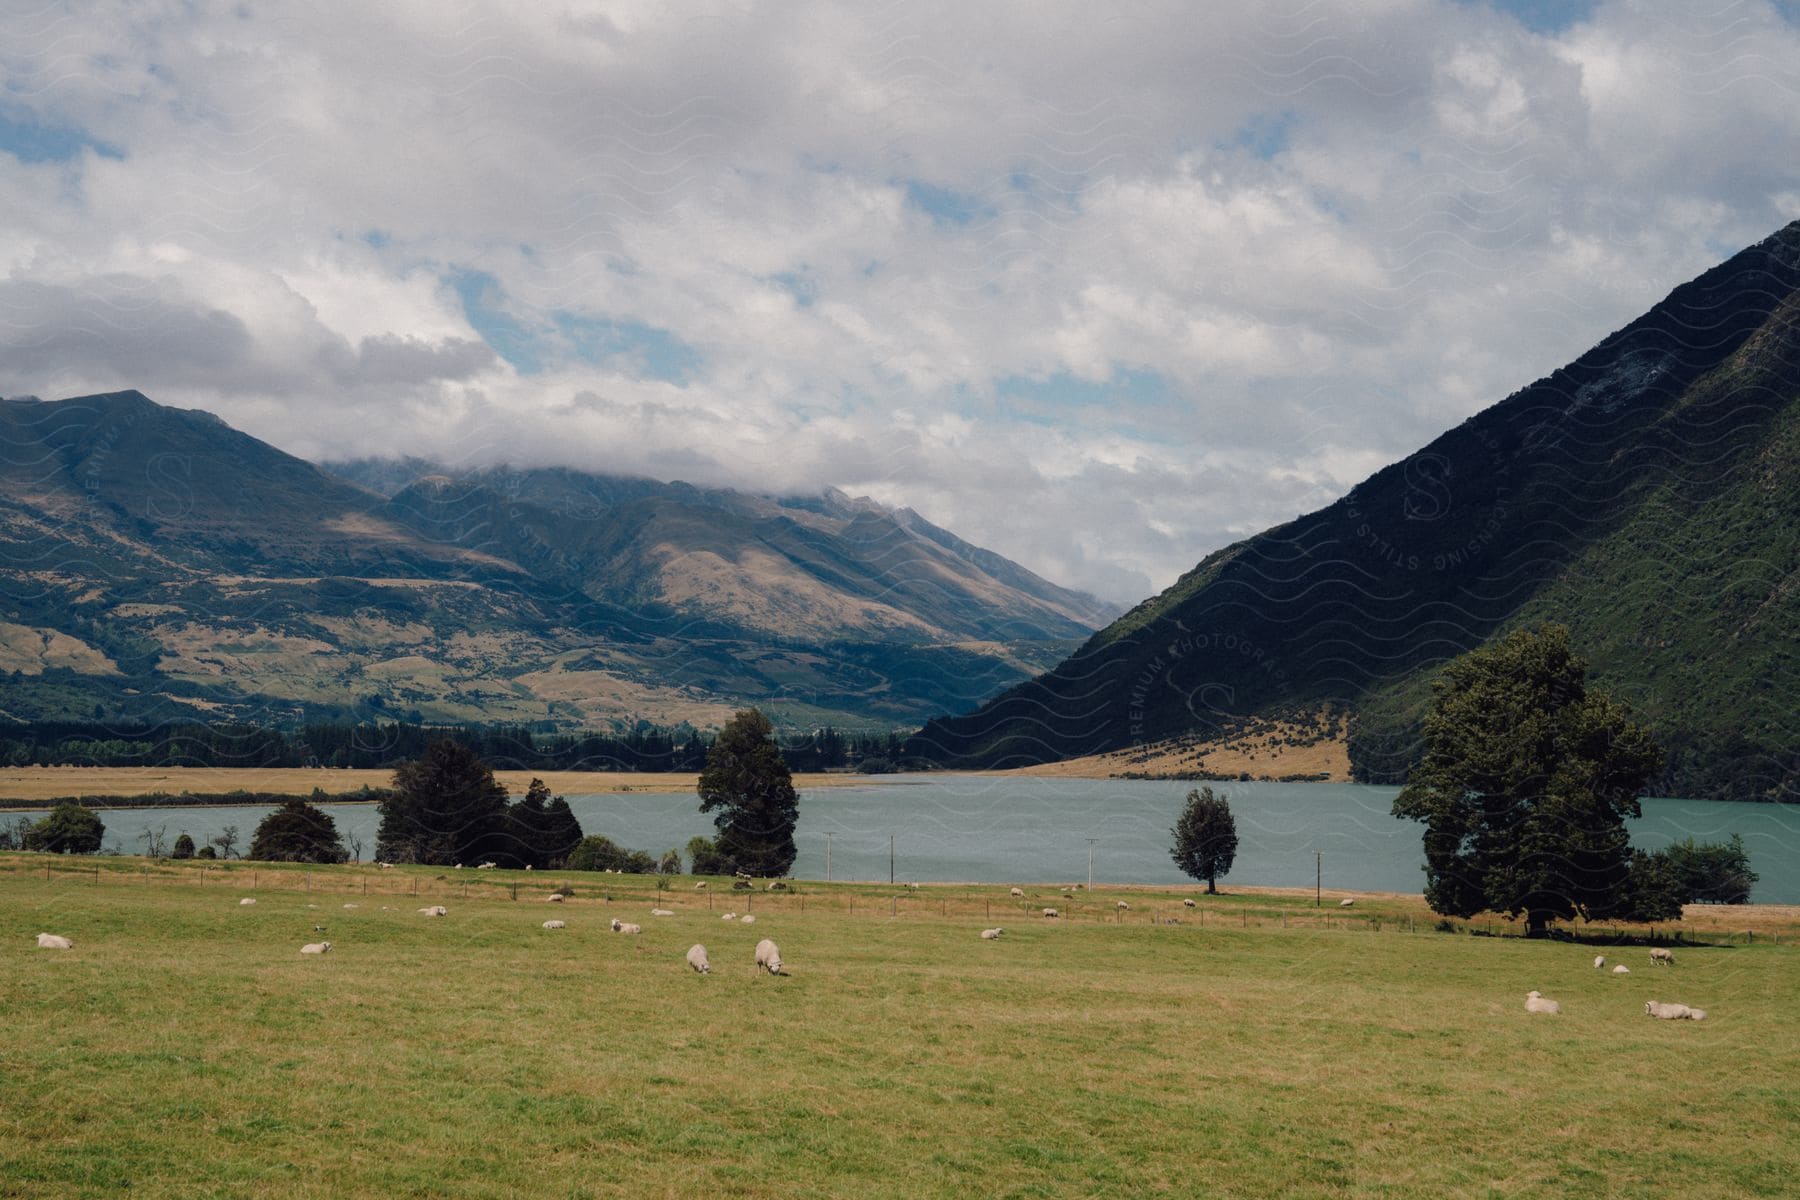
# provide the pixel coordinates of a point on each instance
(1660, 956)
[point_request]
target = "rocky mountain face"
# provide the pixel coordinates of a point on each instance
(158, 562)
(1647, 494)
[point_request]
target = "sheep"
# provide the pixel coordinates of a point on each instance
(697, 959)
(54, 941)
(912, 887)
(554, 898)
(662, 912)
(1122, 906)
(315, 947)
(1347, 902)
(1661, 957)
(768, 956)
(619, 926)
(728, 916)
(1621, 969)
(747, 919)
(1673, 1012)
(556, 924)
(1536, 1003)
(992, 935)
(352, 906)
(436, 910)
(247, 901)
(1187, 903)
(1051, 913)
(486, 866)
(701, 886)
(1599, 961)
(1018, 891)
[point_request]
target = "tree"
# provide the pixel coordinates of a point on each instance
(1525, 786)
(297, 831)
(184, 847)
(226, 841)
(206, 852)
(446, 808)
(1205, 838)
(597, 853)
(703, 855)
(1718, 873)
(66, 829)
(752, 792)
(670, 863)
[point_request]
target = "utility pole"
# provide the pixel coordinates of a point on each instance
(890, 860)
(828, 836)
(1090, 843)
(1318, 875)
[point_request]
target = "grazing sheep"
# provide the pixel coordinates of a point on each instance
(727, 916)
(701, 886)
(1673, 1012)
(315, 947)
(556, 924)
(747, 919)
(912, 887)
(247, 901)
(54, 941)
(1660, 957)
(1599, 961)
(661, 912)
(1621, 969)
(1051, 913)
(554, 898)
(1122, 905)
(992, 935)
(619, 926)
(1537, 1004)
(487, 866)
(436, 910)
(1187, 904)
(697, 959)
(1018, 891)
(768, 956)
(384, 865)
(1347, 902)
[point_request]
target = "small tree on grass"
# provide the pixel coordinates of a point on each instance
(297, 832)
(704, 856)
(184, 847)
(752, 791)
(227, 841)
(66, 829)
(1205, 838)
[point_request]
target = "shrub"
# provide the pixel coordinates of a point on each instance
(184, 847)
(297, 832)
(68, 829)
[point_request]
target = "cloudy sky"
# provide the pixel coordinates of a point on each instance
(1102, 287)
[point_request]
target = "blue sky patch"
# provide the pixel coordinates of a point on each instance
(1125, 390)
(653, 353)
(944, 206)
(511, 339)
(800, 287)
(31, 141)
(1264, 135)
(1549, 17)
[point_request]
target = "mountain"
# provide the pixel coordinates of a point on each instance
(1647, 494)
(158, 561)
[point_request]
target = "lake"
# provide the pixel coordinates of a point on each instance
(1010, 829)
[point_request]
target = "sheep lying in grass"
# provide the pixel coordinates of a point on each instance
(992, 935)
(1347, 902)
(768, 956)
(315, 948)
(556, 924)
(554, 898)
(1018, 891)
(486, 866)
(1187, 904)
(619, 926)
(436, 910)
(1538, 1004)
(1673, 1012)
(247, 901)
(1599, 961)
(1621, 969)
(1051, 913)
(661, 912)
(747, 919)
(727, 916)
(54, 941)
(1661, 957)
(697, 959)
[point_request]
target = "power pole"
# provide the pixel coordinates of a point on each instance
(890, 860)
(1090, 843)
(1318, 875)
(828, 838)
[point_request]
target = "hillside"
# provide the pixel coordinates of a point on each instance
(158, 562)
(1648, 494)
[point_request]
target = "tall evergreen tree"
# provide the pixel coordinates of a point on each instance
(446, 808)
(297, 832)
(750, 789)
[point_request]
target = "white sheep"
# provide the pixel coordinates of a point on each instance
(436, 910)
(747, 919)
(661, 912)
(1018, 891)
(1673, 1012)
(768, 956)
(992, 935)
(352, 906)
(1187, 904)
(247, 901)
(554, 898)
(912, 887)
(1662, 957)
(1122, 906)
(1599, 961)
(701, 886)
(1621, 969)
(315, 947)
(556, 924)
(1537, 1004)
(697, 959)
(1051, 913)
(486, 866)
(54, 941)
(1347, 902)
(727, 916)
(619, 926)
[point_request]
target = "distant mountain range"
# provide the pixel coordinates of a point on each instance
(157, 562)
(1648, 495)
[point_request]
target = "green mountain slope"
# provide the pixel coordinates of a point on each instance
(1645, 494)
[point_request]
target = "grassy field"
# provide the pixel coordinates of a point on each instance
(185, 1048)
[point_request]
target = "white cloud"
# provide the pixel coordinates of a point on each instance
(1325, 234)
